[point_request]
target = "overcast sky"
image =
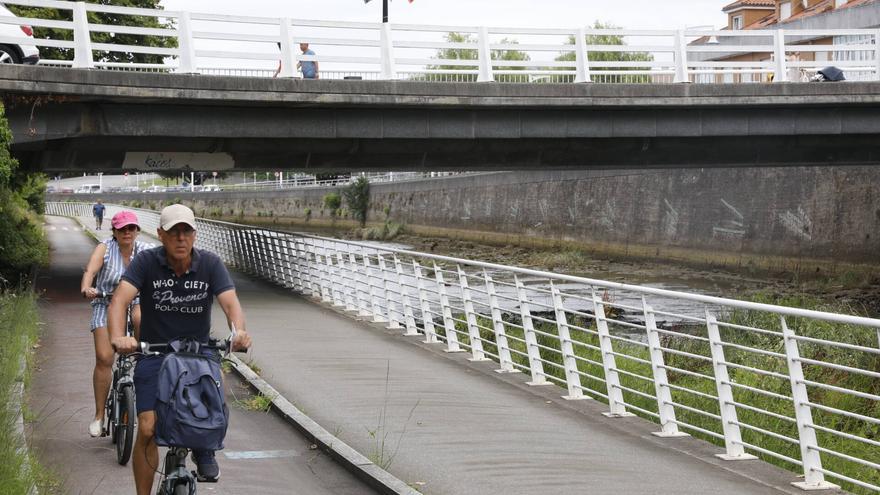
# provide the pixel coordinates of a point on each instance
(664, 14)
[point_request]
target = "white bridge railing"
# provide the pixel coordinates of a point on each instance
(796, 386)
(228, 45)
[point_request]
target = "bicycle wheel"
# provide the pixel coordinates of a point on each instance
(109, 419)
(182, 489)
(125, 428)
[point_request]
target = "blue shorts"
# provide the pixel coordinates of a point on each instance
(146, 382)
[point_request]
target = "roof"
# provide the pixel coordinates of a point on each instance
(822, 7)
(749, 3)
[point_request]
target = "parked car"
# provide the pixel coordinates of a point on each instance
(155, 189)
(66, 190)
(22, 52)
(88, 189)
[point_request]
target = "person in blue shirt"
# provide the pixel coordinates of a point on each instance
(309, 68)
(177, 284)
(98, 212)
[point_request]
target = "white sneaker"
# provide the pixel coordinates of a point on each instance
(95, 428)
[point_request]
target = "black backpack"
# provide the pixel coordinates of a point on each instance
(191, 409)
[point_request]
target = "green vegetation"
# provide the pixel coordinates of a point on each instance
(473, 54)
(23, 246)
(385, 448)
(98, 37)
(357, 196)
(258, 402)
(19, 325)
(636, 375)
(594, 56)
(385, 232)
(333, 201)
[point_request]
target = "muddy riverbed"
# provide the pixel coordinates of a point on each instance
(859, 291)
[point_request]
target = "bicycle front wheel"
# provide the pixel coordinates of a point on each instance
(125, 428)
(181, 490)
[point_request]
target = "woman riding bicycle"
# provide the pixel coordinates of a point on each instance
(108, 262)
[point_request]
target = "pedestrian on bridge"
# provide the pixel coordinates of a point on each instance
(309, 68)
(107, 263)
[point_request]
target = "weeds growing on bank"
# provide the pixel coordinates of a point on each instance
(695, 389)
(19, 319)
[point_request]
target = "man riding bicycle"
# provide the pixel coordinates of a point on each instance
(177, 284)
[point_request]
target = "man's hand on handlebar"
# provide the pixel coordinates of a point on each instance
(241, 341)
(124, 345)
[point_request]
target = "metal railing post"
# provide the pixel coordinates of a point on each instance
(569, 361)
(82, 41)
(337, 285)
(582, 57)
(498, 325)
(448, 323)
(477, 353)
(665, 409)
(374, 307)
(734, 450)
(425, 305)
(393, 321)
(485, 55)
(779, 54)
(288, 58)
(408, 317)
(681, 75)
(536, 366)
(877, 55)
(350, 289)
(814, 479)
(362, 303)
(616, 405)
(185, 45)
(387, 56)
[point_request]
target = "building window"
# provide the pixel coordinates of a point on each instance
(839, 3)
(737, 23)
(784, 10)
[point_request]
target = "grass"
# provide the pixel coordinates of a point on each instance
(385, 448)
(258, 402)
(19, 471)
(697, 393)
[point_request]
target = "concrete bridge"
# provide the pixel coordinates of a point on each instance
(64, 119)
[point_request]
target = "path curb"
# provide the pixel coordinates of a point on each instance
(365, 469)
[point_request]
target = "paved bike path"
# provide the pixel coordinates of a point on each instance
(263, 453)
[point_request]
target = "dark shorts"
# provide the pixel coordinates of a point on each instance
(146, 382)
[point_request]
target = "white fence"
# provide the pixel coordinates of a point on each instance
(796, 386)
(247, 46)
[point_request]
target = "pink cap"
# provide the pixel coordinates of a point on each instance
(124, 218)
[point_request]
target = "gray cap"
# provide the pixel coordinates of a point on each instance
(175, 214)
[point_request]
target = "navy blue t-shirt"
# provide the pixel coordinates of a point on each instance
(173, 306)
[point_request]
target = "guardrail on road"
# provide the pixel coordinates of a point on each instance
(799, 387)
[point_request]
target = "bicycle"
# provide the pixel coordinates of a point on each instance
(120, 410)
(176, 479)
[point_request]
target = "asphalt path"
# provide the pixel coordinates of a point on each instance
(263, 454)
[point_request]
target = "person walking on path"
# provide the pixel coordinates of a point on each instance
(107, 263)
(98, 212)
(178, 284)
(309, 68)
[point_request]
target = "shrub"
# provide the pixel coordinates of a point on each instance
(357, 195)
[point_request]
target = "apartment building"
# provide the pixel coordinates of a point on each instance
(793, 15)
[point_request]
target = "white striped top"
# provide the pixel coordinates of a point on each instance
(113, 267)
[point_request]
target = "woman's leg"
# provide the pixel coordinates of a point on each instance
(101, 377)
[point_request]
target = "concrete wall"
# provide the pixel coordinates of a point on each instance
(775, 217)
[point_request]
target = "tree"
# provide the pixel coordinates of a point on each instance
(608, 39)
(473, 54)
(51, 53)
(357, 195)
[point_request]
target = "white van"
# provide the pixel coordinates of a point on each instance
(88, 189)
(23, 52)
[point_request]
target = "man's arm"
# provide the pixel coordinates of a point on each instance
(235, 317)
(122, 297)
